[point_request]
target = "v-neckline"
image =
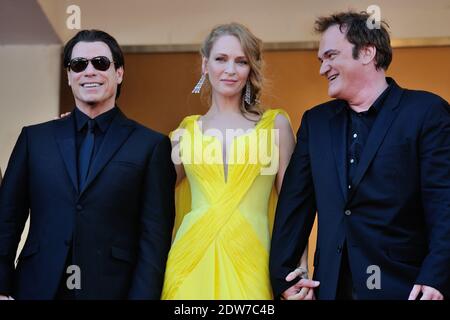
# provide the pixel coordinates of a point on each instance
(224, 157)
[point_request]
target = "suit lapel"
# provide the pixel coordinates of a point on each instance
(118, 132)
(338, 130)
(65, 139)
(376, 136)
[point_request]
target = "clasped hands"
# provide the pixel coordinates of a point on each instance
(303, 289)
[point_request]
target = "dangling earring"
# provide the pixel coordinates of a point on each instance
(248, 93)
(199, 84)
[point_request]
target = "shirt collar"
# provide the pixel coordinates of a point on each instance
(103, 120)
(378, 103)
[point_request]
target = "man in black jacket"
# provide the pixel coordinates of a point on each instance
(375, 164)
(99, 189)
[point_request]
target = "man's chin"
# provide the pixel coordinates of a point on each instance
(90, 99)
(332, 93)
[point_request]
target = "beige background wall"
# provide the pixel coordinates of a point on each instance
(29, 90)
(150, 22)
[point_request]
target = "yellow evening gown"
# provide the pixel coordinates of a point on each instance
(222, 228)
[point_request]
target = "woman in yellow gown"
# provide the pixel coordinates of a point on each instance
(230, 165)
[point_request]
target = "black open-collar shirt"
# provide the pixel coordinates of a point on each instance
(358, 128)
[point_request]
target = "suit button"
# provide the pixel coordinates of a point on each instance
(339, 249)
(347, 212)
(79, 207)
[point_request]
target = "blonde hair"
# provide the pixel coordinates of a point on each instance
(252, 47)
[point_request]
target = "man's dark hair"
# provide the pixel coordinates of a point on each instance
(360, 35)
(94, 36)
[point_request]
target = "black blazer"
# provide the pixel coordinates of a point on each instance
(396, 215)
(119, 226)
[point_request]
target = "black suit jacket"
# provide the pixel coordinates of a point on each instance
(396, 216)
(119, 226)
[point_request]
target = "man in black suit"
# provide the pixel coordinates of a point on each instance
(375, 165)
(99, 189)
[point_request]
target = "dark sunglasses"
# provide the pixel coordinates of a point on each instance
(100, 63)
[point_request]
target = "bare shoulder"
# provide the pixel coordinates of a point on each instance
(282, 122)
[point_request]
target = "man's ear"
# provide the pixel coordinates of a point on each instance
(68, 78)
(119, 75)
(367, 54)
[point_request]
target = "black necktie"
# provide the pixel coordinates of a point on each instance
(85, 156)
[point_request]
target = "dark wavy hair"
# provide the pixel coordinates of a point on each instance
(357, 33)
